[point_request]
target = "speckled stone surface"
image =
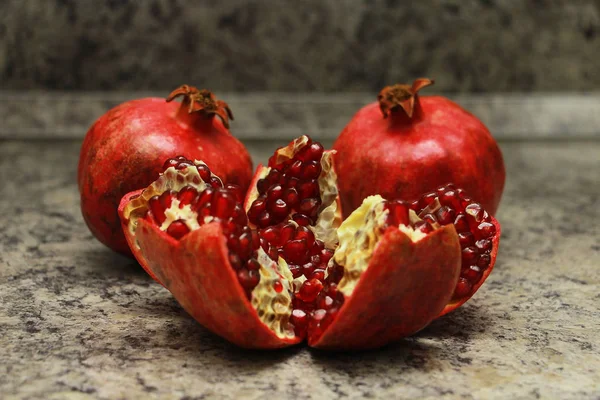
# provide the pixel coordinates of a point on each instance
(267, 115)
(77, 321)
(328, 45)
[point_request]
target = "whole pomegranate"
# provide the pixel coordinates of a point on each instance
(124, 150)
(409, 145)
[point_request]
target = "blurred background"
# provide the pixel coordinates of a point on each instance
(310, 45)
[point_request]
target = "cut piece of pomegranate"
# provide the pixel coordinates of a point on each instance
(382, 274)
(191, 234)
(478, 233)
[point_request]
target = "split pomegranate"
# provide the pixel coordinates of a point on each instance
(125, 148)
(384, 273)
(404, 145)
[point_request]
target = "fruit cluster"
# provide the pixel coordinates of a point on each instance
(321, 244)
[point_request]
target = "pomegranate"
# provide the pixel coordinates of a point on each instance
(408, 145)
(124, 150)
(384, 273)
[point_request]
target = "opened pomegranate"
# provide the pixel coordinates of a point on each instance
(404, 145)
(384, 273)
(125, 149)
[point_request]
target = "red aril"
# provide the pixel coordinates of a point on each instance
(124, 150)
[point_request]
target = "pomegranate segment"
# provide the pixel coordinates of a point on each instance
(478, 233)
(299, 183)
(188, 196)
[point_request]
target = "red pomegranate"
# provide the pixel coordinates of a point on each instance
(384, 273)
(409, 144)
(124, 150)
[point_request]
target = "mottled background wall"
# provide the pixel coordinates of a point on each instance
(311, 45)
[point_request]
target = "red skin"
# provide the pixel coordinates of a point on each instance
(125, 149)
(406, 157)
(408, 282)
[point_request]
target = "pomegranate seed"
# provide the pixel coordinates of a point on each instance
(245, 245)
(484, 244)
(315, 151)
(186, 196)
(264, 219)
(157, 210)
(485, 230)
(223, 204)
(472, 274)
(326, 255)
(236, 191)
(178, 229)
(183, 165)
(216, 182)
(484, 261)
(308, 269)
(461, 224)
(430, 218)
(445, 215)
(171, 162)
(295, 251)
(279, 209)
(296, 169)
(317, 247)
(248, 279)
(290, 196)
(450, 198)
(278, 287)
(292, 182)
(274, 176)
(423, 226)
(262, 185)
(309, 207)
(299, 319)
(465, 239)
(275, 192)
(233, 243)
(308, 189)
(204, 172)
(309, 290)
(427, 199)
(463, 288)
(304, 233)
(253, 265)
(256, 209)
(295, 270)
(475, 212)
(271, 234)
(469, 256)
(287, 232)
(235, 261)
(165, 199)
(312, 170)
(301, 219)
(398, 212)
(318, 274)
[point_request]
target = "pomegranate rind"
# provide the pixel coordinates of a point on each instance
(197, 272)
(496, 244)
(405, 287)
(131, 238)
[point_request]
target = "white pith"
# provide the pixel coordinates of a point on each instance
(170, 179)
(274, 309)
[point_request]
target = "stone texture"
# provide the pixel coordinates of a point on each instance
(35, 115)
(77, 321)
(312, 45)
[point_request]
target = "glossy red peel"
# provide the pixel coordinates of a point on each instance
(404, 288)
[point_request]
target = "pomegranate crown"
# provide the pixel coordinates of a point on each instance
(202, 101)
(403, 96)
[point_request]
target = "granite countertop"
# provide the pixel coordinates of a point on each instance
(78, 321)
